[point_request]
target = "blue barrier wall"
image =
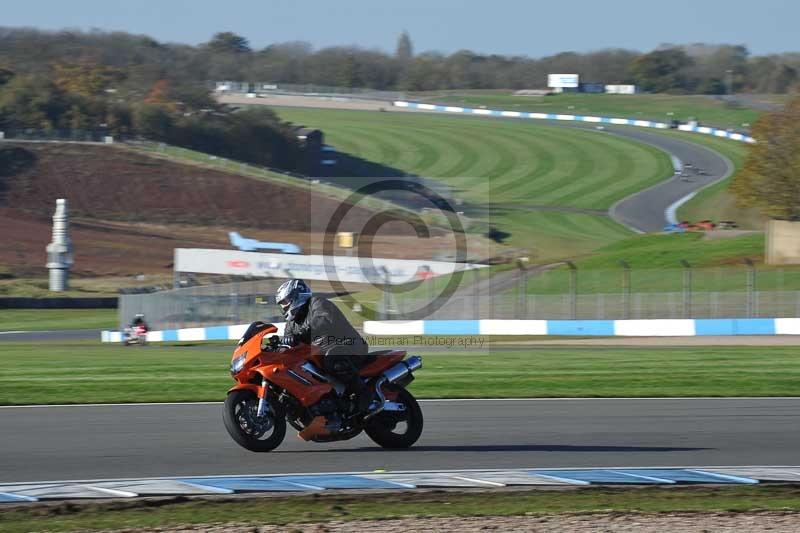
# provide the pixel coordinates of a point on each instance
(603, 328)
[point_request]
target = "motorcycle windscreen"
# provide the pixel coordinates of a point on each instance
(254, 329)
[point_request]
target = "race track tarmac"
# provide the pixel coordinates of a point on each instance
(129, 441)
(645, 210)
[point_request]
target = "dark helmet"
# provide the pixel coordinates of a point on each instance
(291, 296)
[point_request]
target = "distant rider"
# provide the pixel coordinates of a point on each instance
(317, 321)
(138, 321)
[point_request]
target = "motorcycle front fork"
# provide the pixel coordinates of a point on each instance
(263, 406)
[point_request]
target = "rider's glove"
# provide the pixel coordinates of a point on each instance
(290, 340)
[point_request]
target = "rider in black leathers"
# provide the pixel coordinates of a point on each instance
(317, 321)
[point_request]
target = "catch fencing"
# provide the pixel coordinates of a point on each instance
(204, 305)
(557, 294)
(626, 293)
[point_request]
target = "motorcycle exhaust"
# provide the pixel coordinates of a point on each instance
(392, 375)
(403, 368)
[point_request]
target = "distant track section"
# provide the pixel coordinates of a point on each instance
(572, 118)
(649, 210)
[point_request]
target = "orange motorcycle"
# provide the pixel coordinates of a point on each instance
(277, 384)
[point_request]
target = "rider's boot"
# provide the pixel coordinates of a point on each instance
(333, 422)
(360, 394)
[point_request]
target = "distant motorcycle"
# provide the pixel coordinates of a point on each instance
(277, 384)
(134, 335)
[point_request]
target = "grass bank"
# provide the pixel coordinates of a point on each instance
(548, 188)
(56, 319)
(718, 264)
(87, 372)
(284, 510)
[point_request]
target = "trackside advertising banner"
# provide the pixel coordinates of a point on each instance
(313, 267)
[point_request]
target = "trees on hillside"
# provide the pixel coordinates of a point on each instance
(770, 179)
(661, 70)
(31, 101)
(152, 121)
(85, 78)
(229, 56)
(227, 42)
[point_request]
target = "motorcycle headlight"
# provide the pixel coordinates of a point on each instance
(237, 364)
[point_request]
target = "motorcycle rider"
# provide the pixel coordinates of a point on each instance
(138, 320)
(317, 321)
(136, 332)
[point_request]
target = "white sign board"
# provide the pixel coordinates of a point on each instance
(313, 267)
(562, 81)
(621, 89)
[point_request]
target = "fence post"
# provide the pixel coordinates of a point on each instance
(573, 290)
(387, 287)
(476, 296)
(751, 287)
(687, 288)
(626, 289)
(522, 312)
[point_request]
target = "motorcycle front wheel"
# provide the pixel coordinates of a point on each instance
(246, 428)
(393, 429)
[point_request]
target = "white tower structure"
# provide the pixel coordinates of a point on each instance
(59, 252)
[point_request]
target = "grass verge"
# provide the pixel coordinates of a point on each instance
(87, 372)
(347, 507)
(56, 319)
(658, 107)
(655, 260)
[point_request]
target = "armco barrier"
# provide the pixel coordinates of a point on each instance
(573, 118)
(604, 328)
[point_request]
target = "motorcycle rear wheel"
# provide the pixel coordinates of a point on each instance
(382, 428)
(239, 416)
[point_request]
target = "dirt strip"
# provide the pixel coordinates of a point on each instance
(772, 521)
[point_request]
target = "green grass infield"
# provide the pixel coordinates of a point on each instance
(89, 372)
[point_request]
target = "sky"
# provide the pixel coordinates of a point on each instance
(534, 28)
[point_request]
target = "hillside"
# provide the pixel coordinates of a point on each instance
(548, 189)
(129, 210)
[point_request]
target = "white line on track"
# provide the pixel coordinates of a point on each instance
(671, 213)
(430, 400)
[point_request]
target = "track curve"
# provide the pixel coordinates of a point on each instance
(130, 441)
(645, 210)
